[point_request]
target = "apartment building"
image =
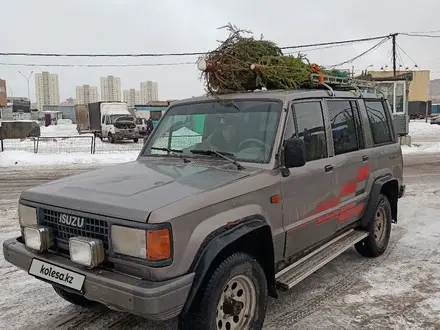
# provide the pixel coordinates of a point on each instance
(47, 89)
(149, 92)
(111, 88)
(132, 97)
(86, 94)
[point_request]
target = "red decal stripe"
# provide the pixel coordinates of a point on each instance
(348, 189)
(323, 206)
(299, 227)
(327, 217)
(363, 173)
(354, 211)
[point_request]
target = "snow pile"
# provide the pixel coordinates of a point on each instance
(59, 130)
(25, 158)
(419, 127)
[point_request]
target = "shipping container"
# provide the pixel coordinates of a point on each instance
(435, 108)
(3, 94)
(68, 111)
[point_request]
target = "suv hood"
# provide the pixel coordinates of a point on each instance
(132, 190)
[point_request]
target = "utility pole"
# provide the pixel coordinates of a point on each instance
(393, 36)
(27, 79)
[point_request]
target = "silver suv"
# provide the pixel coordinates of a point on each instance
(230, 200)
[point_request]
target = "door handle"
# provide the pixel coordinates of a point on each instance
(328, 168)
(365, 158)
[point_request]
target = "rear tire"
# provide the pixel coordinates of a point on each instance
(135, 140)
(74, 299)
(233, 296)
(379, 229)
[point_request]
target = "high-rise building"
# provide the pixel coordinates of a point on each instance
(132, 97)
(110, 88)
(149, 91)
(47, 89)
(86, 94)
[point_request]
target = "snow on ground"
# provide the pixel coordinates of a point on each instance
(59, 130)
(25, 158)
(399, 290)
(420, 127)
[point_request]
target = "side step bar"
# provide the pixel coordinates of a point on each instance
(296, 272)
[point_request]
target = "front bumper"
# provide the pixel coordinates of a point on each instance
(126, 134)
(152, 300)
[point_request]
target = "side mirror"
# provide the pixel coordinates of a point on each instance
(294, 153)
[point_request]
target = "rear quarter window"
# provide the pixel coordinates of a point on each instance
(380, 122)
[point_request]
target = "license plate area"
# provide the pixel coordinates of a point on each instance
(55, 274)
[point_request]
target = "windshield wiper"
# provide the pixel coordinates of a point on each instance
(221, 154)
(174, 152)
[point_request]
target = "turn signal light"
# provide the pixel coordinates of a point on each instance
(158, 245)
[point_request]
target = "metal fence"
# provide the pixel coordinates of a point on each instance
(90, 144)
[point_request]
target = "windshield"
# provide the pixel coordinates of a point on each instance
(113, 118)
(245, 129)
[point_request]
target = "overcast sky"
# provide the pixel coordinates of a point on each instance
(146, 26)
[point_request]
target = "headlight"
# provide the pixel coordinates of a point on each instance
(27, 215)
(86, 251)
(153, 245)
(129, 241)
(38, 238)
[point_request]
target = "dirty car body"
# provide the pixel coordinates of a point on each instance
(162, 221)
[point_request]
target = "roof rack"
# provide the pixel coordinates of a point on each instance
(344, 82)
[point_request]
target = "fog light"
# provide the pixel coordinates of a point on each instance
(38, 238)
(86, 251)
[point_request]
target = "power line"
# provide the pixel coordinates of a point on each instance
(424, 32)
(363, 53)
(327, 47)
(97, 65)
(420, 35)
(181, 54)
(415, 63)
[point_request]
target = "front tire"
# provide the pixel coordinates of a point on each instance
(233, 297)
(379, 229)
(136, 140)
(74, 299)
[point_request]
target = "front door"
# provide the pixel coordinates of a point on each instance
(310, 205)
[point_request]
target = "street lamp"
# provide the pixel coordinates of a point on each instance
(27, 79)
(366, 69)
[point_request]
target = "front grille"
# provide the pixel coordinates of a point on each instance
(62, 232)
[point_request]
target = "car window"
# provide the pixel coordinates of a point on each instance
(358, 121)
(344, 126)
(379, 122)
(310, 127)
(244, 128)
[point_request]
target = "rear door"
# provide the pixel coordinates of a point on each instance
(352, 160)
(309, 200)
(384, 151)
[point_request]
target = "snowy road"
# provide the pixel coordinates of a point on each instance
(400, 290)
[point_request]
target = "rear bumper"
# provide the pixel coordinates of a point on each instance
(402, 191)
(152, 300)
